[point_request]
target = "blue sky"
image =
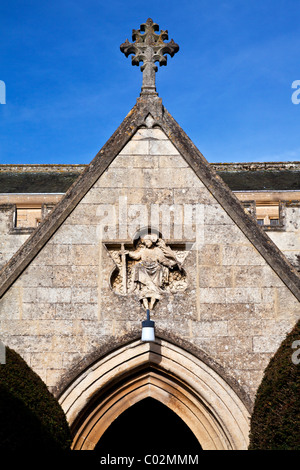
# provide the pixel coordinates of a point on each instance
(68, 86)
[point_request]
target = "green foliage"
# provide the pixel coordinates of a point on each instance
(275, 423)
(30, 416)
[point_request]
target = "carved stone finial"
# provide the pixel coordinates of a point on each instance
(149, 47)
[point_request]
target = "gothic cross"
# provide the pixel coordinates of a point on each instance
(149, 47)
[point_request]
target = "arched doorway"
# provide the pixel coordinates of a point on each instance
(148, 427)
(183, 382)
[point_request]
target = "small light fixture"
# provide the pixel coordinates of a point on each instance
(148, 333)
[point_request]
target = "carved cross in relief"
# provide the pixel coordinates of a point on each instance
(149, 47)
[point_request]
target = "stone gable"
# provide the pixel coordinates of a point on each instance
(235, 307)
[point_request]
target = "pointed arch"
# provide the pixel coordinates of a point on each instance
(164, 371)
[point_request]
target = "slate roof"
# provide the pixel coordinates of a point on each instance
(264, 176)
(38, 178)
(269, 176)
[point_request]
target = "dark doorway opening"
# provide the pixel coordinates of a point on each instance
(148, 427)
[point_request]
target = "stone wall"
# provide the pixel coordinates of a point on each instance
(288, 239)
(51, 178)
(18, 219)
(62, 307)
(10, 241)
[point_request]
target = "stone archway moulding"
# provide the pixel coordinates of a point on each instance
(161, 370)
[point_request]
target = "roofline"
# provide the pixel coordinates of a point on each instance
(228, 166)
(206, 173)
(32, 194)
(264, 191)
(41, 165)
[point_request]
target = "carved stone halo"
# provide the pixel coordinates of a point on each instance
(147, 267)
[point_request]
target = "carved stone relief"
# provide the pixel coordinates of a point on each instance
(148, 268)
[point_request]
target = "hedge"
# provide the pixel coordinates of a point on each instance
(30, 416)
(275, 422)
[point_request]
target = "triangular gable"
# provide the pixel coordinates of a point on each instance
(150, 112)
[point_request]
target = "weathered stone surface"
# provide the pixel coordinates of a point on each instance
(10, 242)
(237, 305)
(149, 47)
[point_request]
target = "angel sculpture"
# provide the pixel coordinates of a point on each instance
(155, 259)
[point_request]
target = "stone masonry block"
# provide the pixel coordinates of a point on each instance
(62, 276)
(136, 147)
(248, 276)
(223, 234)
(135, 161)
(42, 310)
(83, 215)
(210, 328)
(45, 256)
(84, 295)
(76, 234)
(53, 295)
(171, 178)
(212, 295)
(149, 134)
(267, 344)
(247, 326)
(84, 255)
(164, 147)
(216, 276)
(85, 276)
(215, 215)
(210, 254)
(235, 345)
(171, 161)
(241, 254)
(243, 295)
(118, 178)
(47, 361)
(38, 276)
(193, 195)
(11, 304)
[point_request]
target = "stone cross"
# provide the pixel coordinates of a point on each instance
(149, 47)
